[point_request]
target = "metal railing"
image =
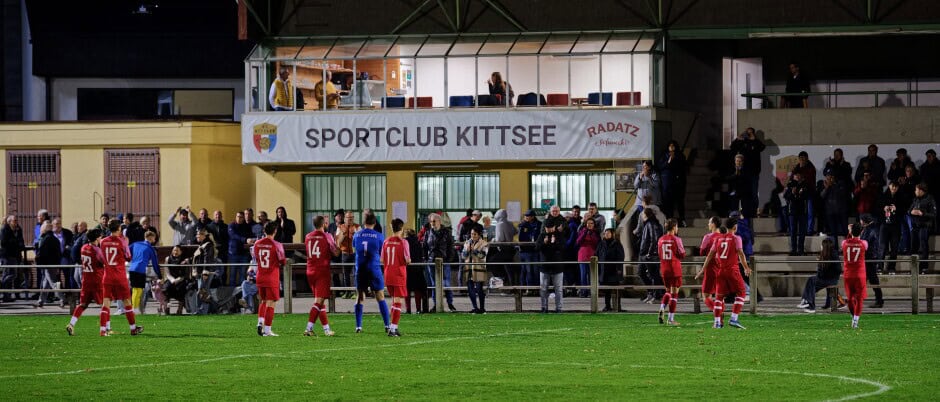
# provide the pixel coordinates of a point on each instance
(439, 287)
(876, 95)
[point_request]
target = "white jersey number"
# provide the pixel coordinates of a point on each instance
(264, 258)
(314, 250)
(853, 253)
(667, 251)
(724, 249)
(86, 264)
(112, 254)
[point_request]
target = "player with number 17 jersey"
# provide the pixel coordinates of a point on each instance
(853, 258)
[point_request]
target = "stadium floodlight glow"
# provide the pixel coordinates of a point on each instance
(463, 166)
(336, 167)
(565, 164)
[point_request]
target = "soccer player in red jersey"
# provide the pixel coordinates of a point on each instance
(709, 273)
(116, 287)
(320, 251)
(727, 252)
(853, 258)
(671, 253)
(92, 273)
(269, 254)
(395, 257)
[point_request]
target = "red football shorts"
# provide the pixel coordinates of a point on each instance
(92, 294)
(319, 282)
(856, 287)
(730, 281)
(671, 278)
(116, 291)
(397, 291)
(269, 293)
(709, 280)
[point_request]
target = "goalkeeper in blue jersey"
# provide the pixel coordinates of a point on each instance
(368, 245)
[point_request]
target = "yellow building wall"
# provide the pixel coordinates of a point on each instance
(400, 186)
(82, 177)
(175, 184)
(274, 189)
(3, 190)
(219, 181)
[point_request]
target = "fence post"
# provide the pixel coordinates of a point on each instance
(288, 288)
(594, 281)
(438, 285)
(753, 280)
(915, 295)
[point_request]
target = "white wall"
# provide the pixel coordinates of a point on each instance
(65, 91)
(34, 88)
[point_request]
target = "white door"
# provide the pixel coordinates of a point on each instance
(741, 76)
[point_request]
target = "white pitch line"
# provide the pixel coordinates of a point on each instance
(881, 388)
(230, 357)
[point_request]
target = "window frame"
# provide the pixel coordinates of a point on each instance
(381, 211)
(421, 213)
(587, 188)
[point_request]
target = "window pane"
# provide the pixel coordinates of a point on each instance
(486, 194)
(544, 186)
(373, 192)
(346, 193)
(458, 192)
(317, 193)
(572, 190)
(430, 192)
(602, 190)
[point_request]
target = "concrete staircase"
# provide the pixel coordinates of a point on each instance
(697, 185)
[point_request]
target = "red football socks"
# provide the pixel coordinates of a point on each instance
(314, 313)
(105, 316)
(672, 304)
(129, 313)
(268, 316)
(396, 313)
(738, 305)
(323, 320)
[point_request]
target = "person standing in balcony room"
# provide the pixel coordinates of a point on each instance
(796, 83)
(500, 89)
(673, 169)
(281, 95)
(327, 90)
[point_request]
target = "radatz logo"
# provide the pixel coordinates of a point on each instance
(265, 137)
(618, 133)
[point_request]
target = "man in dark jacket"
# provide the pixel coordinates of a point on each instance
(835, 200)
(239, 232)
(923, 212)
(750, 147)
(11, 253)
(551, 243)
(797, 195)
(529, 230)
(895, 209)
(870, 233)
(839, 167)
(469, 224)
(439, 243)
(872, 163)
(649, 254)
(930, 175)
(48, 252)
(134, 231)
(219, 230)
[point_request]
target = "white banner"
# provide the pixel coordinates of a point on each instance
(466, 135)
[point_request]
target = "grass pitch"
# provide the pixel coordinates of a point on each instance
(491, 357)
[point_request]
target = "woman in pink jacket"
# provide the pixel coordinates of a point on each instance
(587, 245)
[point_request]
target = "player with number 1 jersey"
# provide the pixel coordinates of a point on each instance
(320, 251)
(853, 258)
(269, 254)
(671, 253)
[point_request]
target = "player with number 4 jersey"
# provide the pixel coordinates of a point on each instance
(853, 258)
(671, 253)
(92, 274)
(269, 254)
(396, 255)
(320, 251)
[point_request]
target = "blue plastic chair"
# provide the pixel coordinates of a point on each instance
(393, 102)
(461, 101)
(595, 98)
